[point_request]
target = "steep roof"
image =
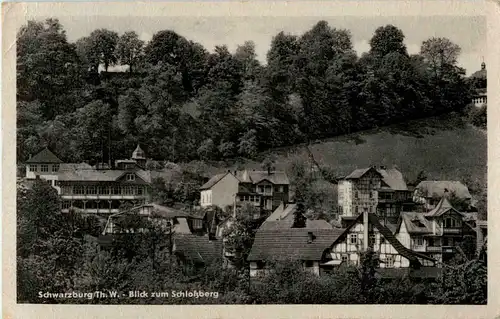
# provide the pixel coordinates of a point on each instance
(283, 244)
(276, 177)
(442, 207)
(198, 249)
(436, 189)
(358, 173)
(138, 153)
(282, 212)
(409, 254)
(393, 178)
(212, 181)
(45, 156)
(415, 223)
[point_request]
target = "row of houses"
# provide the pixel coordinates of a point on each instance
(411, 229)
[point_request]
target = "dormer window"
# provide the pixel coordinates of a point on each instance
(130, 177)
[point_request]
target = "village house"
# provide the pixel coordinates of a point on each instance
(367, 232)
(306, 245)
(376, 190)
(262, 189)
(436, 233)
(98, 189)
(429, 193)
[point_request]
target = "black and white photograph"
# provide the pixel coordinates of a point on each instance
(251, 160)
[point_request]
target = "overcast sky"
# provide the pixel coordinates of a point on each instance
(469, 32)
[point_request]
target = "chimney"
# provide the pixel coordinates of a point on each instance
(310, 237)
(365, 230)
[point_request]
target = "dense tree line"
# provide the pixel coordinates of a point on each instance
(182, 102)
(59, 253)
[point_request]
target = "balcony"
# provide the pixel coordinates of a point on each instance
(93, 210)
(434, 249)
(451, 231)
(100, 197)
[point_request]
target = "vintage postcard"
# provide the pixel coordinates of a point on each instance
(235, 159)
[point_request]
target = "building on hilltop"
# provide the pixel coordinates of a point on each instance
(375, 190)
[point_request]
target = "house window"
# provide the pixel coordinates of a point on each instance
(389, 261)
(356, 209)
(450, 222)
(197, 223)
(344, 258)
(140, 190)
(78, 190)
(130, 177)
(372, 239)
(356, 194)
(44, 168)
(55, 168)
(371, 195)
(353, 239)
(261, 189)
(382, 240)
(281, 189)
(66, 204)
(419, 241)
(33, 167)
(91, 190)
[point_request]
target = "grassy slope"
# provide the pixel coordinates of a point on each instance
(444, 147)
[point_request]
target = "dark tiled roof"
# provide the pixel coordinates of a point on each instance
(357, 173)
(436, 189)
(214, 180)
(197, 249)
(254, 177)
(288, 223)
(282, 212)
(45, 156)
(283, 244)
(442, 207)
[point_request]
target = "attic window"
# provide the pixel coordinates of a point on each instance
(130, 177)
(418, 223)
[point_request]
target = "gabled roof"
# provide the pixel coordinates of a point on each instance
(358, 173)
(437, 189)
(409, 254)
(415, 223)
(197, 249)
(393, 178)
(45, 156)
(284, 244)
(254, 177)
(212, 181)
(442, 207)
